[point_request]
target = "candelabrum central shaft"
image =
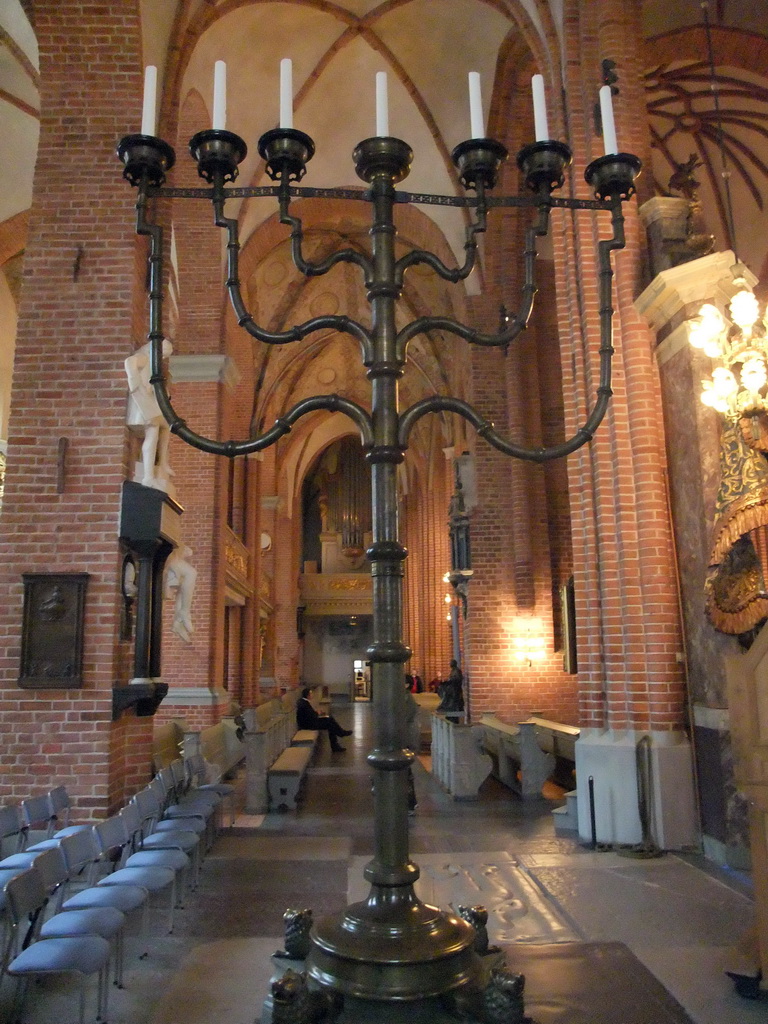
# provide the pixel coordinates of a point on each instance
(391, 946)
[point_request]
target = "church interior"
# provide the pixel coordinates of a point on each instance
(348, 340)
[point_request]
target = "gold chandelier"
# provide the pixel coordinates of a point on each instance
(738, 386)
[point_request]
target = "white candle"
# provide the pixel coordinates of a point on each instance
(541, 127)
(150, 100)
(609, 125)
(382, 105)
(286, 93)
(220, 95)
(476, 121)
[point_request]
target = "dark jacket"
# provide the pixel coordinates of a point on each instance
(306, 716)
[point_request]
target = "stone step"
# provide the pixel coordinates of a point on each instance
(566, 818)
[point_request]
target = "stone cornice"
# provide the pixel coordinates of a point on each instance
(204, 369)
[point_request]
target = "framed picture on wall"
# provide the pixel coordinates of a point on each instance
(52, 630)
(568, 619)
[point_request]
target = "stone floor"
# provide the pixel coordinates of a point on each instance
(679, 916)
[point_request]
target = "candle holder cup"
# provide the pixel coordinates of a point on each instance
(478, 162)
(613, 176)
(146, 159)
(217, 152)
(383, 155)
(287, 153)
(544, 164)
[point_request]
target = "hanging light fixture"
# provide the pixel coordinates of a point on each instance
(738, 343)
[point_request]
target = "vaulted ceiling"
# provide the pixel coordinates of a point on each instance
(337, 46)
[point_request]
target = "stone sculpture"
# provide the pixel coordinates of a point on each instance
(144, 413)
(180, 580)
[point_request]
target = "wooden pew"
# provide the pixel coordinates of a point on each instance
(270, 733)
(526, 755)
(286, 776)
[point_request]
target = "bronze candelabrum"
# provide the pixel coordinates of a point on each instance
(391, 946)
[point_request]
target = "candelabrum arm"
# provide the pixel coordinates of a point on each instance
(333, 403)
(417, 256)
(281, 426)
(516, 321)
(439, 403)
(297, 239)
(343, 324)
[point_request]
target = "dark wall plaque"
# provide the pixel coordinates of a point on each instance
(52, 630)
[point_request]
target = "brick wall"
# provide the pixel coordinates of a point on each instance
(200, 478)
(74, 332)
(520, 530)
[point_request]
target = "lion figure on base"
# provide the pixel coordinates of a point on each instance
(503, 998)
(298, 924)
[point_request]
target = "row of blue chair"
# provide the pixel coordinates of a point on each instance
(48, 812)
(156, 842)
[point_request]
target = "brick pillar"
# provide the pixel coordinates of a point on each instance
(491, 589)
(194, 670)
(286, 593)
(249, 687)
(630, 680)
(74, 332)
(520, 543)
(201, 375)
(269, 504)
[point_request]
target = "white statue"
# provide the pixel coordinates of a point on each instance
(180, 580)
(143, 411)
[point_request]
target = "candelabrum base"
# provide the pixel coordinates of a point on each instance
(393, 949)
(494, 995)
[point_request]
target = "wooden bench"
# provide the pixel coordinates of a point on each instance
(221, 746)
(286, 775)
(270, 730)
(167, 744)
(305, 738)
(526, 755)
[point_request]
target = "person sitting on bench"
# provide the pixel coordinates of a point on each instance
(307, 717)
